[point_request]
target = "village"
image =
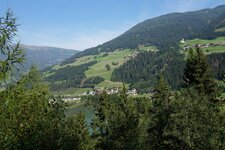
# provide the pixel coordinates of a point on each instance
(98, 91)
(187, 47)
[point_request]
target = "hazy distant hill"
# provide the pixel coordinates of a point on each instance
(44, 56)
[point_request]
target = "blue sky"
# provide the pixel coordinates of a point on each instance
(80, 24)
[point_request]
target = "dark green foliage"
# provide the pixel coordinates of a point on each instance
(183, 120)
(92, 81)
(142, 69)
(32, 119)
(197, 74)
(143, 86)
(78, 135)
(100, 125)
(115, 63)
(10, 53)
(217, 62)
(194, 124)
(67, 77)
(27, 118)
(159, 115)
(116, 125)
(104, 55)
(107, 66)
(208, 31)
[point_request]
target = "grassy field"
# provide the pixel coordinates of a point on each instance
(216, 49)
(73, 91)
(99, 68)
(109, 84)
(201, 41)
(148, 48)
(220, 29)
(209, 50)
(117, 57)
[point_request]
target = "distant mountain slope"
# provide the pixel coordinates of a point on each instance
(44, 56)
(152, 48)
(164, 31)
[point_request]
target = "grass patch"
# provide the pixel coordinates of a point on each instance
(148, 48)
(72, 91)
(216, 49)
(202, 41)
(99, 69)
(108, 84)
(209, 50)
(114, 59)
(220, 29)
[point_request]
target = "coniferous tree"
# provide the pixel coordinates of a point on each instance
(78, 135)
(100, 124)
(117, 123)
(159, 115)
(125, 125)
(197, 74)
(13, 54)
(193, 124)
(26, 118)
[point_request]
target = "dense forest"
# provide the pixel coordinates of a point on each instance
(70, 76)
(191, 117)
(147, 65)
(142, 70)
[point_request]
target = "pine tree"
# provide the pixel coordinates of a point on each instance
(13, 54)
(100, 124)
(78, 134)
(24, 113)
(125, 124)
(193, 124)
(159, 115)
(197, 74)
(117, 123)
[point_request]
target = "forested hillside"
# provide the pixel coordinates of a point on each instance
(142, 71)
(150, 48)
(164, 32)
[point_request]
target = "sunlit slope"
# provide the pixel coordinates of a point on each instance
(113, 59)
(208, 46)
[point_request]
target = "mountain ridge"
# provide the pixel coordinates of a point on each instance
(52, 55)
(149, 31)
